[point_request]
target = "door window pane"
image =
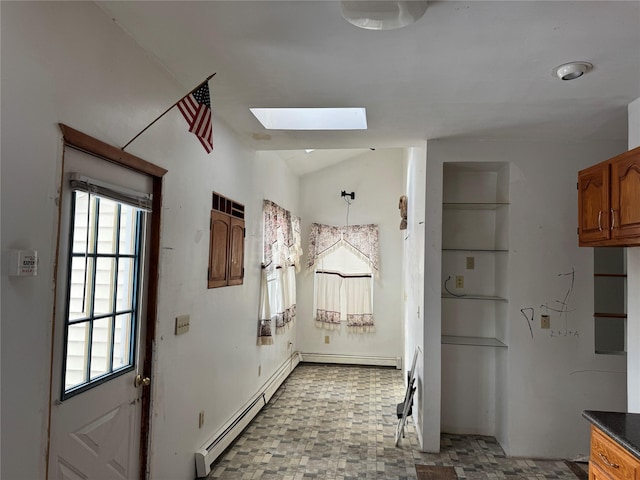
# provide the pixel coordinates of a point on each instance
(107, 226)
(128, 219)
(76, 361)
(81, 222)
(101, 347)
(125, 284)
(122, 341)
(104, 286)
(79, 297)
(101, 308)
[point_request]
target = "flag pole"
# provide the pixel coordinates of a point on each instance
(163, 113)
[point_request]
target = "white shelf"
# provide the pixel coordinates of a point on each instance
(471, 296)
(473, 206)
(472, 341)
(475, 250)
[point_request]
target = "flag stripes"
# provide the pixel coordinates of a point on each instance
(196, 110)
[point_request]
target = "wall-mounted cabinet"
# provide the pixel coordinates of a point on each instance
(226, 243)
(609, 202)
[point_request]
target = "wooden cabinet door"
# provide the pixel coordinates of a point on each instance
(596, 473)
(625, 195)
(609, 460)
(236, 252)
(219, 250)
(593, 204)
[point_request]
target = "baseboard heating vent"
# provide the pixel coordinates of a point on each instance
(352, 359)
(207, 455)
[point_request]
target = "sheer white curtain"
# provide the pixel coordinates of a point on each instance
(281, 258)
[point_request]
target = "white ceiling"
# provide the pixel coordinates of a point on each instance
(472, 69)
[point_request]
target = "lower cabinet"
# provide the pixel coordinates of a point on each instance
(609, 460)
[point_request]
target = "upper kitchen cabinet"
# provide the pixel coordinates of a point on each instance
(609, 202)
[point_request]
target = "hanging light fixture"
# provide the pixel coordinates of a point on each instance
(382, 15)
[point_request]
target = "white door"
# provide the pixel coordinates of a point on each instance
(99, 321)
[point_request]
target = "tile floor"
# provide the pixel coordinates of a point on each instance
(338, 423)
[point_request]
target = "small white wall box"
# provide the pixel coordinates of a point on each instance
(23, 263)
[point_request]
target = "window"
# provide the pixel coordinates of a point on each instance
(226, 243)
(345, 260)
(104, 270)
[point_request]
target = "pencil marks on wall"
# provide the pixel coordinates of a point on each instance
(529, 314)
(559, 308)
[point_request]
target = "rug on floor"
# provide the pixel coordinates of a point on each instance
(432, 472)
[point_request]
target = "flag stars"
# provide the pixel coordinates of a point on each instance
(202, 95)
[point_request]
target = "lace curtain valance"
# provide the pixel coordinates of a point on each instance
(282, 244)
(362, 240)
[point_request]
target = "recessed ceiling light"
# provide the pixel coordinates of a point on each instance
(382, 15)
(311, 118)
(309, 150)
(572, 70)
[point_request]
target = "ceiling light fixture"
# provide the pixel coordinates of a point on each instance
(572, 70)
(382, 15)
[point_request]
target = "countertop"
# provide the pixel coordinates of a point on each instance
(624, 428)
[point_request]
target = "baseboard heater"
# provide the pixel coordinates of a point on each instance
(217, 444)
(352, 359)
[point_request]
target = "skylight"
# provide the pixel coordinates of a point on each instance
(311, 118)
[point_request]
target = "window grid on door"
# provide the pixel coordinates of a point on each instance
(103, 278)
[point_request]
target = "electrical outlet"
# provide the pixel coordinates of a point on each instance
(471, 263)
(326, 339)
(459, 281)
(545, 321)
(201, 419)
(182, 324)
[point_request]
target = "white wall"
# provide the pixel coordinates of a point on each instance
(69, 63)
(376, 179)
(413, 284)
(633, 285)
(550, 380)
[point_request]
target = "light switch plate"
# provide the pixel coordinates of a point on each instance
(182, 324)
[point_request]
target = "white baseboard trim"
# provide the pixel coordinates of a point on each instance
(352, 359)
(221, 439)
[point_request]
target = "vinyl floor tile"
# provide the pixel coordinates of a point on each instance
(330, 422)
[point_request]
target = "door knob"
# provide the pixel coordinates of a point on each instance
(141, 381)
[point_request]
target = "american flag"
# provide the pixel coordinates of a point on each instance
(196, 109)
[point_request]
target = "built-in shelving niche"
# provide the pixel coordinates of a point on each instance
(475, 245)
(610, 300)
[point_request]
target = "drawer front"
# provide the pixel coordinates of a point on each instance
(612, 458)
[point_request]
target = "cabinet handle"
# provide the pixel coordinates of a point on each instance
(606, 461)
(599, 220)
(613, 219)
